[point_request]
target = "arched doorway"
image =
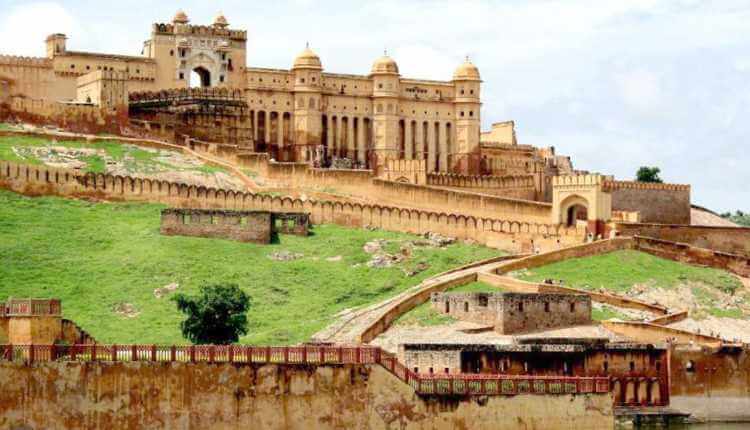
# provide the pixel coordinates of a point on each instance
(573, 209)
(576, 213)
(200, 77)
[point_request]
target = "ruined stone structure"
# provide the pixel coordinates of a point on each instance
(242, 226)
(37, 321)
(511, 313)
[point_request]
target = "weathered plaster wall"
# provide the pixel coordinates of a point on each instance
(111, 396)
(712, 385)
(735, 240)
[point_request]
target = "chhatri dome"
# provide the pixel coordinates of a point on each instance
(307, 59)
(221, 21)
(384, 65)
(466, 72)
(180, 17)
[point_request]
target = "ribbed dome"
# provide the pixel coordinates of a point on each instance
(466, 72)
(307, 59)
(221, 21)
(180, 17)
(384, 65)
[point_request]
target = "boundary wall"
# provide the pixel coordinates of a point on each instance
(514, 186)
(735, 240)
(667, 203)
(514, 201)
(512, 235)
(101, 395)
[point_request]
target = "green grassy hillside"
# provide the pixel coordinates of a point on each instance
(96, 156)
(100, 257)
(619, 271)
(705, 291)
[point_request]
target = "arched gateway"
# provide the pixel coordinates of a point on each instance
(582, 199)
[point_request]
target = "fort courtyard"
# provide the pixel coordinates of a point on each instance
(406, 263)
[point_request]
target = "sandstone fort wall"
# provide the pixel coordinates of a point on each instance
(507, 234)
(711, 384)
(664, 203)
(509, 197)
(734, 240)
(114, 396)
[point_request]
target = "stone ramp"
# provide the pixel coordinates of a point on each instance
(353, 327)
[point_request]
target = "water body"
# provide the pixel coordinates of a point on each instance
(713, 426)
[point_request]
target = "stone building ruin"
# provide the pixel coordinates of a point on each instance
(242, 226)
(515, 313)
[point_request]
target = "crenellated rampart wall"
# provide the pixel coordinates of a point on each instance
(664, 203)
(496, 232)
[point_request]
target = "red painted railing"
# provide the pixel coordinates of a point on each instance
(462, 384)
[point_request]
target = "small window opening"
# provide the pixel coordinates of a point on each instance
(520, 306)
(466, 306)
(606, 366)
(572, 307)
(690, 366)
(546, 306)
(632, 366)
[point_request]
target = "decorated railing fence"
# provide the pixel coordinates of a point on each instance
(462, 384)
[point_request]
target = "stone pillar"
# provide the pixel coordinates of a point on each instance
(337, 138)
(280, 130)
(329, 135)
(350, 138)
(443, 148)
(431, 147)
(361, 148)
(419, 140)
(255, 126)
(267, 123)
(409, 144)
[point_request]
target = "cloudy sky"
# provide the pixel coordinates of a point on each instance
(614, 84)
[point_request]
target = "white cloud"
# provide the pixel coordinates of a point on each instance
(24, 29)
(640, 90)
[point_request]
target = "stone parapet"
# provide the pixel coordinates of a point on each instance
(611, 185)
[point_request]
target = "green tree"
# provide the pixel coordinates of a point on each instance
(648, 174)
(217, 315)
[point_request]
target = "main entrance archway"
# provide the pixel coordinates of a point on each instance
(200, 77)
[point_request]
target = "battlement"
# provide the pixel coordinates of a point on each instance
(198, 30)
(479, 181)
(612, 185)
(580, 180)
(13, 60)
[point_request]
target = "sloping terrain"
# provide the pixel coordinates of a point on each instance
(115, 273)
(116, 158)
